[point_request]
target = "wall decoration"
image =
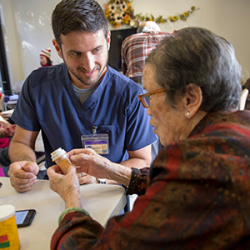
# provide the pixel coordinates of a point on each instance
(120, 12)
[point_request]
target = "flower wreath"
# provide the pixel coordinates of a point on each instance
(120, 12)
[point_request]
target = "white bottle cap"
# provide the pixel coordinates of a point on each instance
(6, 211)
(57, 154)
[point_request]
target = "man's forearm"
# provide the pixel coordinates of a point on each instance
(136, 163)
(21, 152)
(140, 158)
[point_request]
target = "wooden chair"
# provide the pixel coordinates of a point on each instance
(243, 98)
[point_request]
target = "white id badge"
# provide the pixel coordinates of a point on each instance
(98, 142)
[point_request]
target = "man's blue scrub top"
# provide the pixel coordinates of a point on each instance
(48, 102)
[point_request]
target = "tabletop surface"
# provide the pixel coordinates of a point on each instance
(100, 200)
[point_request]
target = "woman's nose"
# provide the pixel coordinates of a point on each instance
(149, 111)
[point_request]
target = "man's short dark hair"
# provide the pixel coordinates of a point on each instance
(78, 15)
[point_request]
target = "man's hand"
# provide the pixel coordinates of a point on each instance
(86, 179)
(23, 175)
(10, 131)
(67, 186)
(3, 121)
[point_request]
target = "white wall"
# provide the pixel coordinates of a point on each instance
(28, 26)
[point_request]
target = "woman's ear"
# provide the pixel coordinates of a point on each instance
(57, 47)
(193, 99)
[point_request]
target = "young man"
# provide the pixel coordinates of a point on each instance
(83, 97)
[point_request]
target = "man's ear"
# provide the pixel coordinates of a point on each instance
(109, 39)
(57, 47)
(193, 99)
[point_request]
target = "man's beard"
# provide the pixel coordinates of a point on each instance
(98, 78)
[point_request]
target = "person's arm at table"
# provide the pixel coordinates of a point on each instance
(95, 165)
(139, 158)
(24, 169)
(91, 163)
(77, 230)
(67, 186)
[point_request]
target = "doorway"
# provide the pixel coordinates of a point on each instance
(5, 85)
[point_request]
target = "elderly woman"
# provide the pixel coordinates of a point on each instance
(198, 191)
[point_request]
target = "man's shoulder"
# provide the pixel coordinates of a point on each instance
(121, 83)
(44, 74)
(50, 70)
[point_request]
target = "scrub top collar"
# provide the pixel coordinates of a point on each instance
(93, 99)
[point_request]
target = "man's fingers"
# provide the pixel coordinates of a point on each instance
(87, 179)
(81, 174)
(22, 175)
(23, 185)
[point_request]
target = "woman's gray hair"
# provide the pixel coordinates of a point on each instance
(196, 55)
(148, 26)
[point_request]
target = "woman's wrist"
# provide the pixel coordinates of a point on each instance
(69, 210)
(121, 174)
(73, 200)
(73, 203)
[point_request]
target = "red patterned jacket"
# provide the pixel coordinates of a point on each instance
(198, 196)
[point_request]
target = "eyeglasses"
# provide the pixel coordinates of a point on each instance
(145, 98)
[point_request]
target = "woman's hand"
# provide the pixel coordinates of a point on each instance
(91, 163)
(67, 186)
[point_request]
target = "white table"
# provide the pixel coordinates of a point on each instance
(100, 200)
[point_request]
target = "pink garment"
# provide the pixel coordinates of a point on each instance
(1, 172)
(4, 142)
